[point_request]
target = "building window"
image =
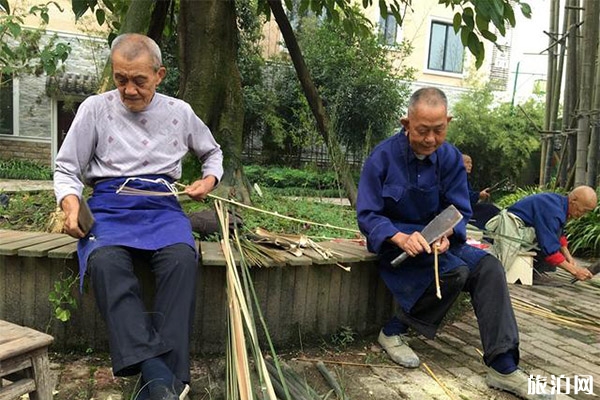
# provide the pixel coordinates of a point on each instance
(445, 49)
(388, 30)
(6, 106)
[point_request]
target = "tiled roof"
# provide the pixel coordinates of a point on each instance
(71, 84)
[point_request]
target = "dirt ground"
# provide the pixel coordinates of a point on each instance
(86, 377)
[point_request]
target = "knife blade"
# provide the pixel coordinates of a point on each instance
(435, 229)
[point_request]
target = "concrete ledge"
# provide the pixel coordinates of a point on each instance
(300, 302)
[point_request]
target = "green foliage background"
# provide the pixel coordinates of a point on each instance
(500, 138)
(353, 76)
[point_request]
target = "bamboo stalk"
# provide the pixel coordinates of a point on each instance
(139, 192)
(448, 392)
(436, 269)
(348, 363)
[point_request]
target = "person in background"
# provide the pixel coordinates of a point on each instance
(406, 181)
(483, 211)
(134, 138)
(539, 220)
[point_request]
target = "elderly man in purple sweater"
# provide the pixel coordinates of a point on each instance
(134, 137)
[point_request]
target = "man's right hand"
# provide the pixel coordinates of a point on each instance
(582, 274)
(413, 244)
(70, 206)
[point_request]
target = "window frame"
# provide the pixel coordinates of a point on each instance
(14, 87)
(448, 26)
(384, 27)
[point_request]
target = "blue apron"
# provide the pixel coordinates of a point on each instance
(139, 221)
(418, 206)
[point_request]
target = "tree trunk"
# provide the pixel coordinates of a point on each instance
(590, 46)
(314, 101)
(211, 82)
(136, 20)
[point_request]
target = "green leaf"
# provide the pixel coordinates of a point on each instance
(526, 10)
(489, 36)
(464, 35)
(482, 23)
(62, 315)
(79, 7)
(111, 7)
(15, 30)
(476, 48)
(456, 21)
(509, 15)
(467, 16)
(100, 16)
(383, 10)
(5, 6)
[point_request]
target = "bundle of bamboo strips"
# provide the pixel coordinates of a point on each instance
(292, 243)
(582, 321)
(240, 291)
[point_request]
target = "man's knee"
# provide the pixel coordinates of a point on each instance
(178, 257)
(104, 259)
(490, 268)
(455, 280)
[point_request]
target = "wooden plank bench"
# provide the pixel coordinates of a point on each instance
(24, 362)
(302, 297)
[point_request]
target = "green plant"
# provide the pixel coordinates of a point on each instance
(19, 169)
(584, 234)
(343, 337)
(28, 211)
(511, 198)
(499, 138)
(61, 297)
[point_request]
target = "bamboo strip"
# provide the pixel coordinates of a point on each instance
(436, 269)
(448, 392)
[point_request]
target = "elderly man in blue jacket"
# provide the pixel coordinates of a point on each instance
(407, 180)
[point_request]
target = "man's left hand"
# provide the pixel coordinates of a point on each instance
(201, 188)
(443, 244)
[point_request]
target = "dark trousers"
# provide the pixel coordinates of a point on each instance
(137, 334)
(490, 299)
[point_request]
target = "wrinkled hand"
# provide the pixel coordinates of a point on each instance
(582, 274)
(415, 244)
(201, 188)
(70, 206)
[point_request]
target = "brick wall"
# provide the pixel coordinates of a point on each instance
(26, 150)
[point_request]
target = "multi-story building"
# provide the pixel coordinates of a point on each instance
(35, 112)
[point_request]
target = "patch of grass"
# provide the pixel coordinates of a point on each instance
(18, 169)
(28, 211)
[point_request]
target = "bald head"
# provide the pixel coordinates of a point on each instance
(582, 200)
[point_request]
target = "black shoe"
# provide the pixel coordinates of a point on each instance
(543, 279)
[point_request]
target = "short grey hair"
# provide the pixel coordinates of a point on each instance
(431, 96)
(132, 45)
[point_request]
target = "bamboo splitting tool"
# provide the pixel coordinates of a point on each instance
(438, 291)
